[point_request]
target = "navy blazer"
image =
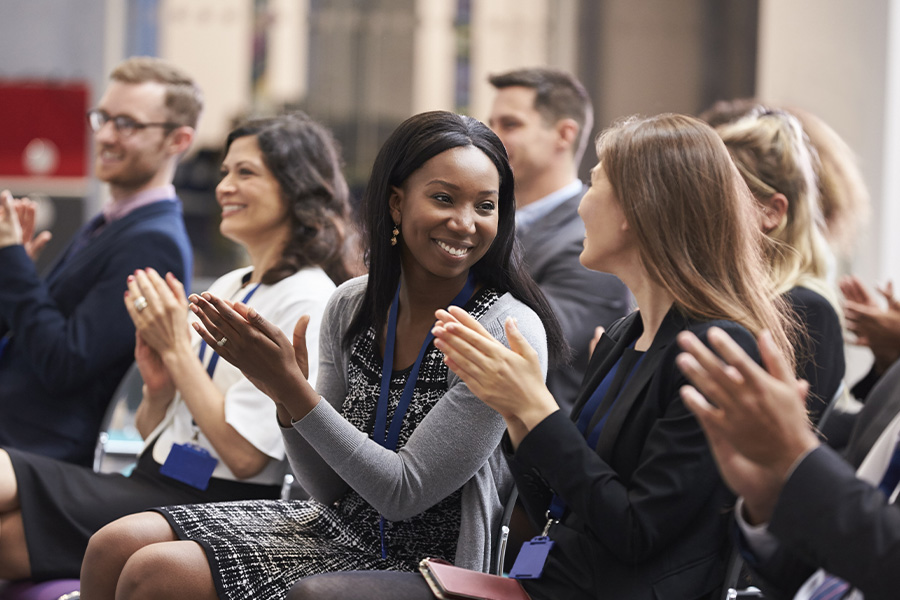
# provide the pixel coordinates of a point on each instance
(70, 339)
(648, 514)
(580, 298)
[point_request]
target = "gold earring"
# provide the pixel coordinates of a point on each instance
(394, 234)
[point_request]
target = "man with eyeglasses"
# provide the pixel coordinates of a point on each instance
(66, 340)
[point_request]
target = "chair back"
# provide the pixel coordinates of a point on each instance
(128, 393)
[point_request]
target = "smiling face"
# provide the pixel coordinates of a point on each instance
(253, 210)
(606, 238)
(448, 213)
(130, 163)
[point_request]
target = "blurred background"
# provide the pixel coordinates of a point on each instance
(362, 66)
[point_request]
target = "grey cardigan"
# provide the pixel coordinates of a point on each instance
(456, 444)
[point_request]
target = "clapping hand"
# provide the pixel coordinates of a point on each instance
(509, 380)
(875, 327)
(27, 213)
(754, 419)
(263, 353)
(10, 228)
(17, 221)
(155, 375)
(158, 308)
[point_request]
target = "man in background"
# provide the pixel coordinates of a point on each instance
(66, 340)
(544, 118)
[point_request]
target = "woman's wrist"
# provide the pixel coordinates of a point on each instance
(532, 413)
(177, 355)
(159, 394)
(296, 401)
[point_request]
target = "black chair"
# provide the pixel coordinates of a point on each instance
(502, 536)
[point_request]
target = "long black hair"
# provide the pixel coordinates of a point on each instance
(411, 145)
(303, 157)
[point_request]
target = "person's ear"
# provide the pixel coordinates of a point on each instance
(774, 209)
(394, 203)
(181, 139)
(567, 133)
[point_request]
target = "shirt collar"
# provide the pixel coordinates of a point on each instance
(537, 210)
(114, 211)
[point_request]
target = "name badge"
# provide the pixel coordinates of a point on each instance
(189, 464)
(531, 559)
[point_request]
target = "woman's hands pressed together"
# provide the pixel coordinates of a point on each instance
(160, 317)
(266, 357)
(158, 381)
(509, 380)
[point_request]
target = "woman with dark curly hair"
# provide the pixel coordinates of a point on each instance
(284, 199)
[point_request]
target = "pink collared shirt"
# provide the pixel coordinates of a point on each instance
(113, 211)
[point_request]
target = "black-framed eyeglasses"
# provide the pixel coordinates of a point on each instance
(125, 126)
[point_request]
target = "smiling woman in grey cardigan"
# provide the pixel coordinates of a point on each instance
(434, 484)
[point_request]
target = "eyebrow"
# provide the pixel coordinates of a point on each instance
(241, 163)
(444, 183)
(456, 187)
(116, 116)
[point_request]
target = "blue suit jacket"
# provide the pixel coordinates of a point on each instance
(70, 339)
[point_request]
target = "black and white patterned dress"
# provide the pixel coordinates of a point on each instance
(259, 549)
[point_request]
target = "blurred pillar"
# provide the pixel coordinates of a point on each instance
(841, 61)
(213, 41)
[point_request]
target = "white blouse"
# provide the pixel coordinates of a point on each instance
(248, 410)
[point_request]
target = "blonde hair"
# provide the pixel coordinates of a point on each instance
(695, 221)
(184, 100)
(774, 156)
(843, 195)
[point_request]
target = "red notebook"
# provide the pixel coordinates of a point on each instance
(448, 582)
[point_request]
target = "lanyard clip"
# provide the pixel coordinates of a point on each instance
(550, 523)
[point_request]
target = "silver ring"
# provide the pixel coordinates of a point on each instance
(140, 303)
(222, 341)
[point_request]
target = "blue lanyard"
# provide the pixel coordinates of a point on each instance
(214, 359)
(388, 439)
(557, 505)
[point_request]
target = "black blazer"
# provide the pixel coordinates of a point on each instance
(648, 513)
(70, 337)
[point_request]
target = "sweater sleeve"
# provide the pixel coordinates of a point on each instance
(69, 348)
(447, 448)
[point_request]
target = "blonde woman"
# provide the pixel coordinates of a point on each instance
(776, 160)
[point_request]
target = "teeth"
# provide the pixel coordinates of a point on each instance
(109, 155)
(452, 250)
(230, 208)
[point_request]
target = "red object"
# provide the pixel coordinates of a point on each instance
(43, 131)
